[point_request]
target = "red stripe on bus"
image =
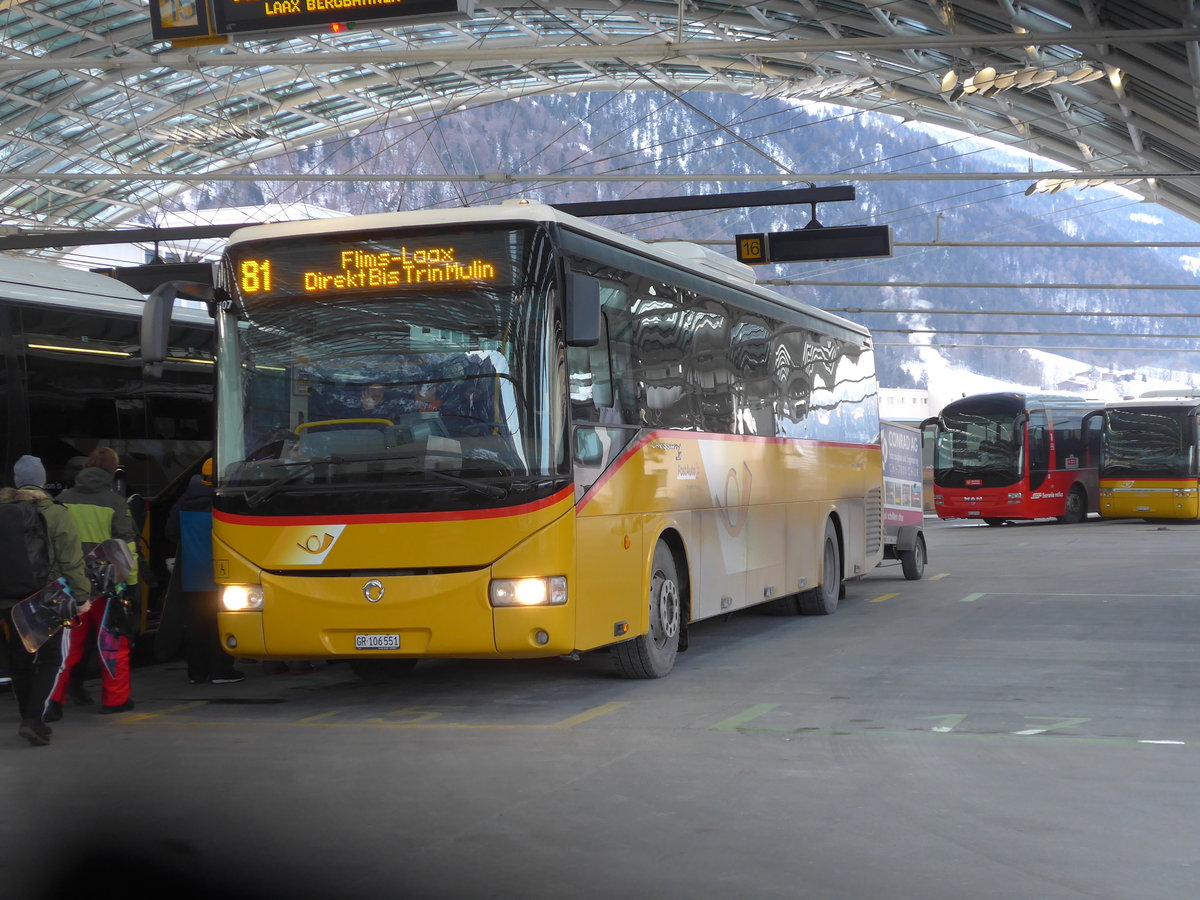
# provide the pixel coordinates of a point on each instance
(393, 518)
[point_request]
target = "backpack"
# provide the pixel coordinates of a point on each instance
(24, 550)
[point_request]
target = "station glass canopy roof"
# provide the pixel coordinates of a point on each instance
(101, 122)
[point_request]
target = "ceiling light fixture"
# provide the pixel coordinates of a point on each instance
(986, 82)
(1054, 185)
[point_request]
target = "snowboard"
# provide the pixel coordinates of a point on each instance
(44, 613)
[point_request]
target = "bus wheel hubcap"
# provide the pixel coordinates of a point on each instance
(668, 609)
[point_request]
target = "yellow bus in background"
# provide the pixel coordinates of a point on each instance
(507, 432)
(1148, 460)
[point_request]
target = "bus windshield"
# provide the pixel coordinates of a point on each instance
(396, 373)
(1154, 441)
(978, 445)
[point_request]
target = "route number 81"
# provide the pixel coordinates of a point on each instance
(255, 275)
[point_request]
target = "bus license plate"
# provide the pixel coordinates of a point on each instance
(377, 642)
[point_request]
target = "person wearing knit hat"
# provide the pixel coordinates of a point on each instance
(33, 674)
(29, 472)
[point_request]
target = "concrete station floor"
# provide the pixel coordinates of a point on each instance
(1023, 722)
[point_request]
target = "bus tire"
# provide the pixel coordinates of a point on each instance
(823, 600)
(381, 671)
(1076, 508)
(912, 562)
(652, 655)
(995, 522)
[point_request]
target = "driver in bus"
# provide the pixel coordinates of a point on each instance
(371, 400)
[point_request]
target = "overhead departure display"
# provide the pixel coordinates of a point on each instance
(171, 19)
(807, 244)
(330, 267)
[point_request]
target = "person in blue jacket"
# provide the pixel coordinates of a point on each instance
(190, 524)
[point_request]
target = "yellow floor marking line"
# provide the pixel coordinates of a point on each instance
(411, 715)
(588, 715)
(938, 577)
(422, 717)
(319, 716)
(182, 707)
(883, 598)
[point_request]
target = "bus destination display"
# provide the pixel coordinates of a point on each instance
(241, 17)
(332, 269)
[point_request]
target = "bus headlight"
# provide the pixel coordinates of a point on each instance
(550, 591)
(239, 597)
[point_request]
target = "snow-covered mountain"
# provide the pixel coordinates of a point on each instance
(650, 134)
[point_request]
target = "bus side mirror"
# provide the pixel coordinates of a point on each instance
(156, 320)
(583, 310)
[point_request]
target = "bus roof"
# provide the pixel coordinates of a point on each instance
(1177, 401)
(1166, 392)
(1022, 400)
(38, 281)
(679, 254)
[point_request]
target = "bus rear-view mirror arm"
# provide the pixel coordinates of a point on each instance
(156, 320)
(582, 310)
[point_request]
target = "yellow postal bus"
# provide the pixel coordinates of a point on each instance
(508, 432)
(1148, 460)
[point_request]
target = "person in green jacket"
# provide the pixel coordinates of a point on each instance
(99, 513)
(33, 674)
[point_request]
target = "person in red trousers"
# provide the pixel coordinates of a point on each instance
(100, 513)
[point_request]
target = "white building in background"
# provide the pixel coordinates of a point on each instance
(905, 405)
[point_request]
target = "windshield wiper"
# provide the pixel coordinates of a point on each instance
(491, 490)
(269, 490)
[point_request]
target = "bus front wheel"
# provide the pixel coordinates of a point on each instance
(652, 655)
(1076, 507)
(822, 601)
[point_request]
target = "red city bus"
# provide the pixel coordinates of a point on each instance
(1005, 456)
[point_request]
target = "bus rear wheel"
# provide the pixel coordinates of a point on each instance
(652, 655)
(1076, 507)
(823, 601)
(995, 521)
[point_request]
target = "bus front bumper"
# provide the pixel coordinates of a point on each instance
(396, 616)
